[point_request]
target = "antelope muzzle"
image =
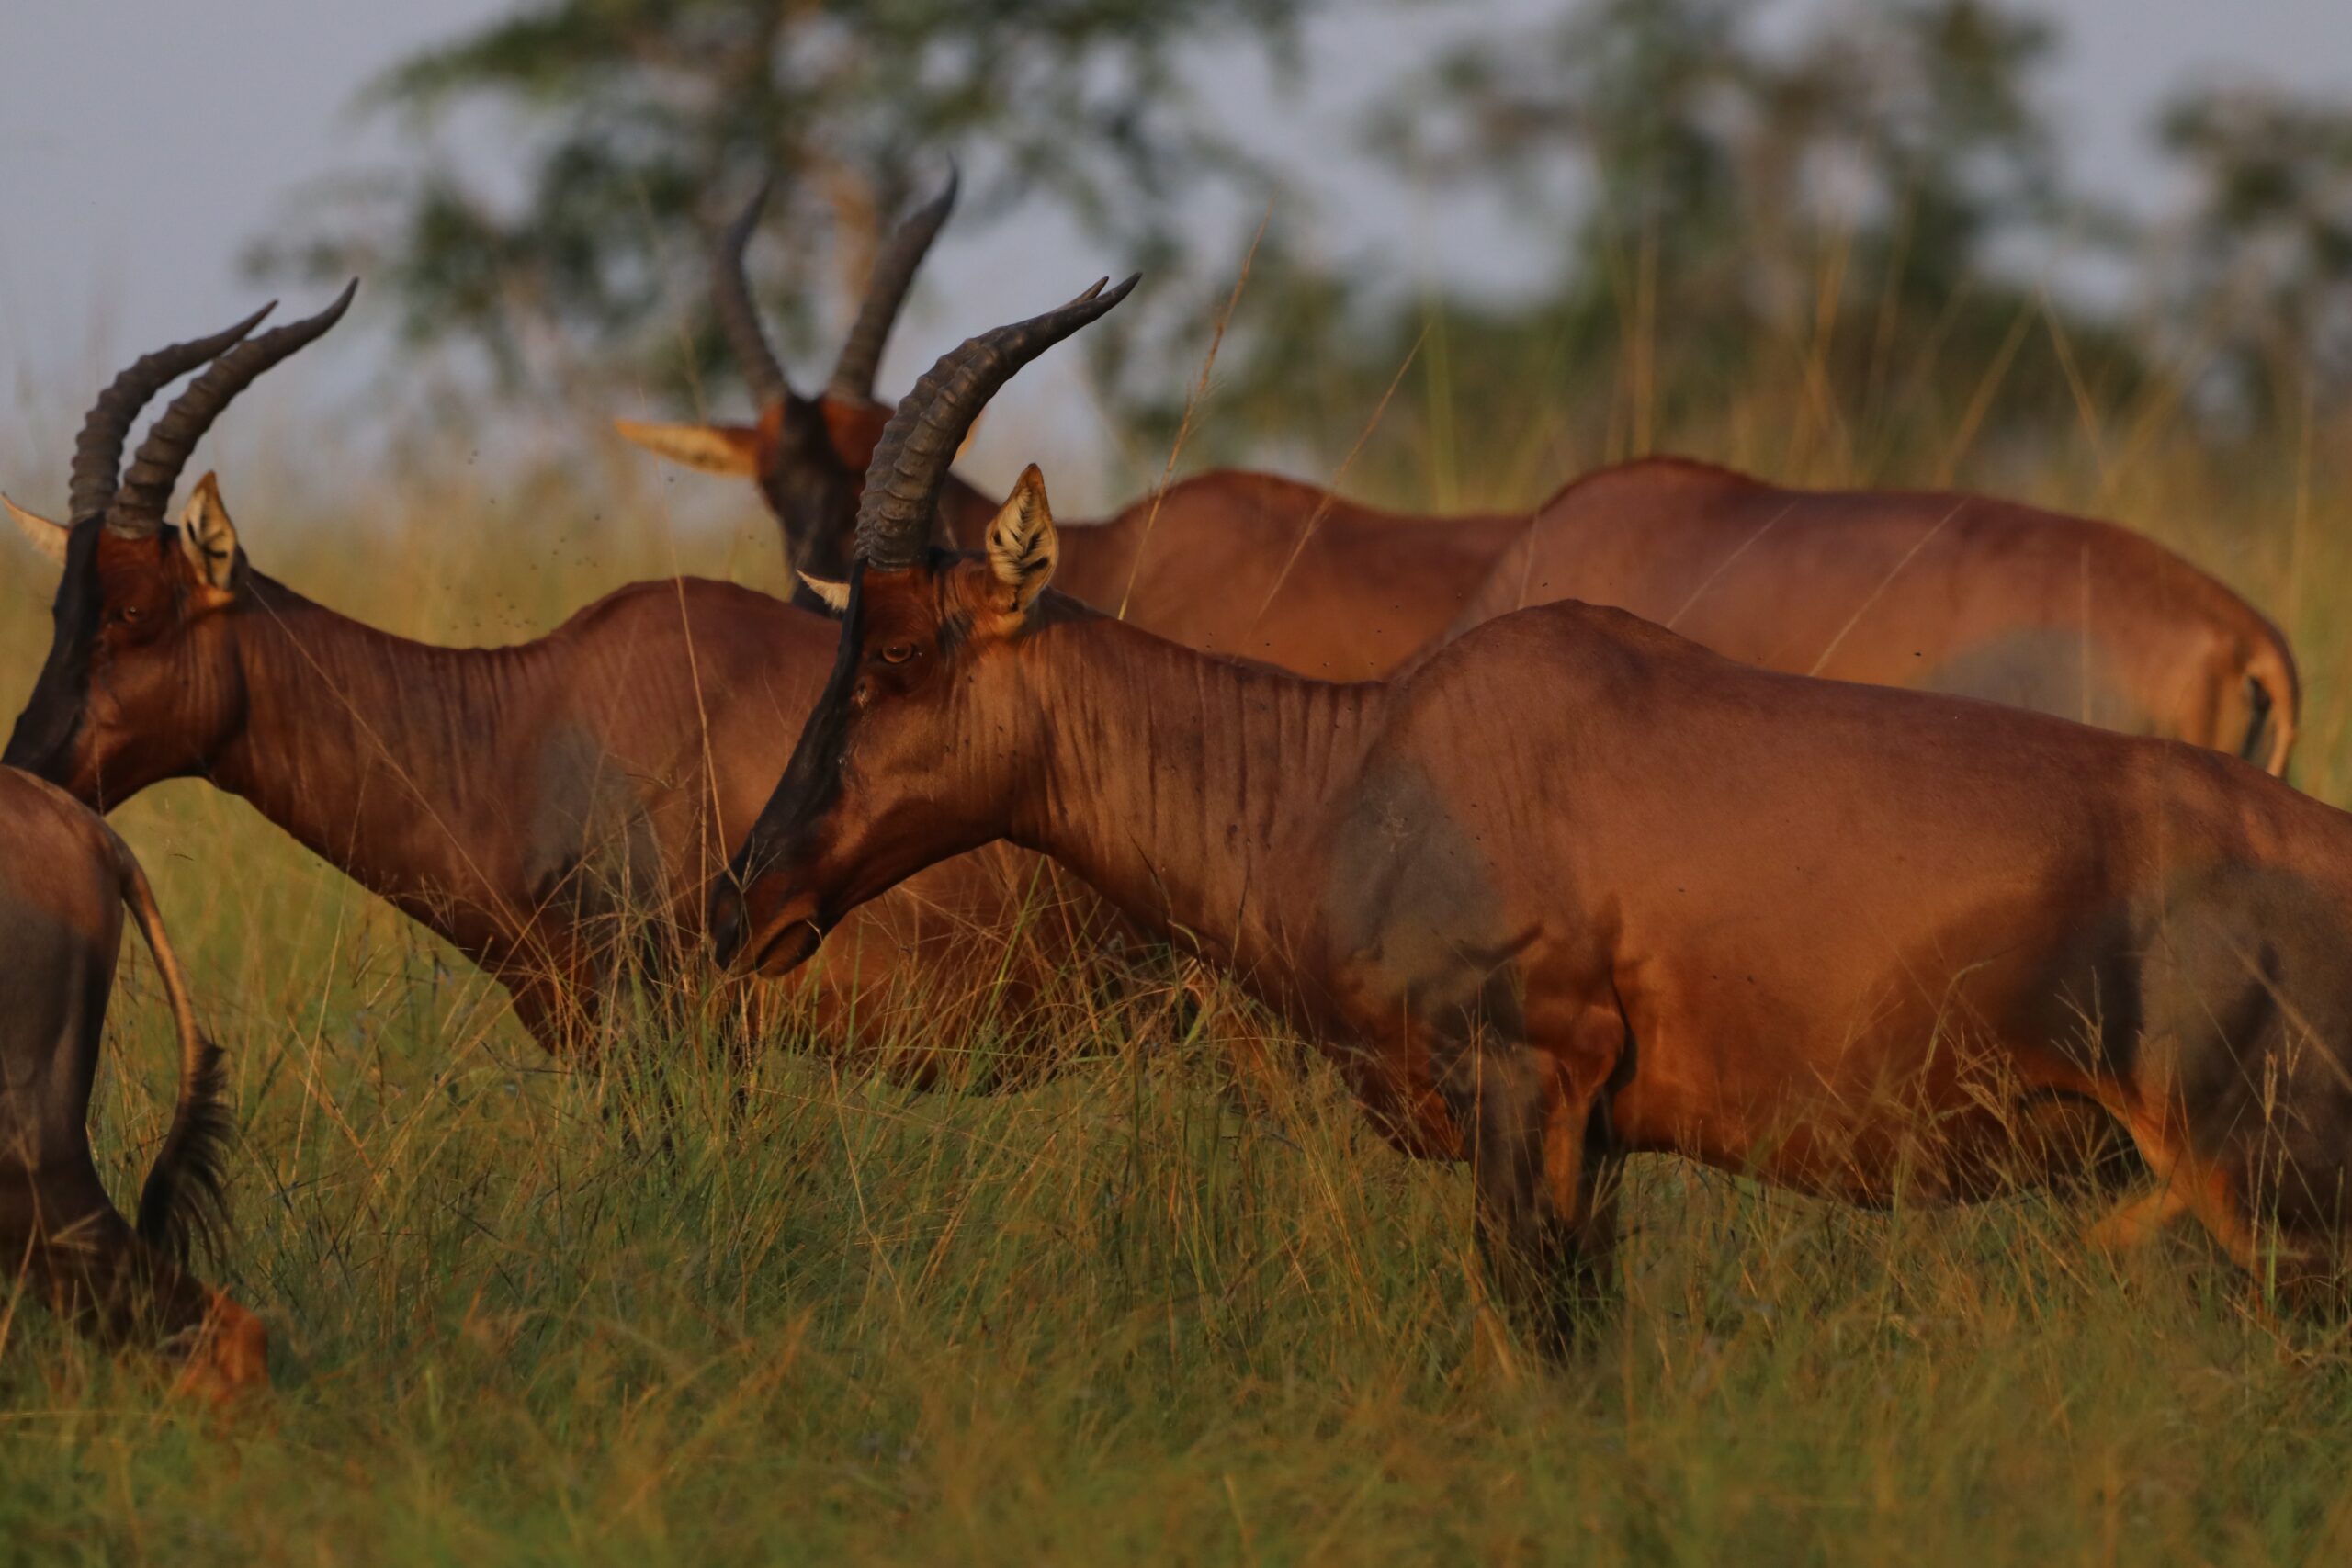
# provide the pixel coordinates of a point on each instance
(764, 925)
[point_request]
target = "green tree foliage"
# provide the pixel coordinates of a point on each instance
(634, 123)
(1861, 209)
(2260, 275)
(1846, 214)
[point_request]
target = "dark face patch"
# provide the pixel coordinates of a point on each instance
(812, 779)
(813, 495)
(821, 846)
(140, 683)
(42, 743)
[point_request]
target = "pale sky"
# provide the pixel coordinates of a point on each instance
(144, 143)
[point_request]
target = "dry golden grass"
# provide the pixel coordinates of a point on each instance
(522, 1316)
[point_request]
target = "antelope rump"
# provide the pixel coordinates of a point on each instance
(1576, 887)
(64, 883)
(1961, 594)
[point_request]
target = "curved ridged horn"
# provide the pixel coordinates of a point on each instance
(138, 508)
(97, 451)
(910, 461)
(737, 317)
(886, 294)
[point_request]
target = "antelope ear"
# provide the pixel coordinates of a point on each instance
(207, 538)
(834, 594)
(1022, 546)
(42, 534)
(713, 448)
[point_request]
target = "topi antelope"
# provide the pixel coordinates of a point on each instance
(554, 810)
(1229, 563)
(795, 450)
(1963, 595)
(1576, 887)
(65, 880)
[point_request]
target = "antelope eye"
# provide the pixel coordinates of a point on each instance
(897, 653)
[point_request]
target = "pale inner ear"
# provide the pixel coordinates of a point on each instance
(207, 536)
(713, 448)
(42, 534)
(1022, 546)
(834, 594)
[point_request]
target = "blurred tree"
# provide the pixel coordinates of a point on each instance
(1848, 199)
(636, 123)
(2258, 283)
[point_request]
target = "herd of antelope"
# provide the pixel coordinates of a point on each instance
(1862, 842)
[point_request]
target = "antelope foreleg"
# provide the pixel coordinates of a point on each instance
(561, 1007)
(2133, 1224)
(1546, 1189)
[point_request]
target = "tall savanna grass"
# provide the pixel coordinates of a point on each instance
(663, 1309)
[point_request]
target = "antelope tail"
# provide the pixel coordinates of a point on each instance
(2275, 695)
(182, 1201)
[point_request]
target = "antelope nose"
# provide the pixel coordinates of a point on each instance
(726, 922)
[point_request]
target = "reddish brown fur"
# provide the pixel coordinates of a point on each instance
(65, 881)
(1577, 887)
(1965, 595)
(1957, 593)
(1237, 562)
(556, 810)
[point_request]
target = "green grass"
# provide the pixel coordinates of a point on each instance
(1110, 1319)
(522, 1315)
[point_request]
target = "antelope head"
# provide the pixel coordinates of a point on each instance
(916, 749)
(805, 454)
(141, 681)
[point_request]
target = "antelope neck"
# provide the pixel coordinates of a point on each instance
(1193, 790)
(381, 755)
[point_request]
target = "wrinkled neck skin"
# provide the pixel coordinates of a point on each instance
(374, 752)
(1195, 793)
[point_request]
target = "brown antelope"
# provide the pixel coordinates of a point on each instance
(1576, 887)
(1228, 562)
(1957, 593)
(1963, 594)
(555, 810)
(65, 880)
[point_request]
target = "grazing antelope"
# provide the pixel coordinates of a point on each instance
(65, 880)
(555, 810)
(1957, 593)
(1576, 887)
(1228, 562)
(1963, 594)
